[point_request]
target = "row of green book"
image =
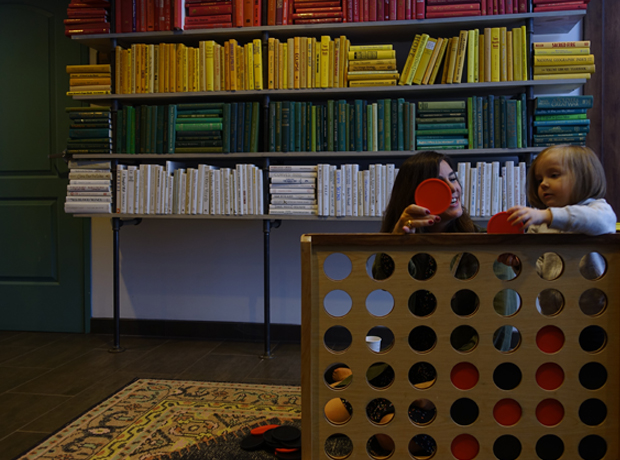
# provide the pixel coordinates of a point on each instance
(497, 121)
(441, 125)
(90, 130)
(561, 120)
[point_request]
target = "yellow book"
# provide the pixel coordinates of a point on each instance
(92, 68)
(284, 67)
(442, 53)
(409, 61)
(471, 56)
(324, 61)
(446, 63)
(563, 76)
(127, 71)
(361, 83)
(487, 54)
(141, 85)
(568, 44)
(481, 58)
(432, 61)
(317, 64)
(330, 70)
(561, 51)
(118, 71)
(390, 64)
(181, 49)
(172, 70)
(371, 47)
(191, 67)
(240, 63)
(503, 57)
(495, 54)
(372, 54)
(271, 63)
(202, 68)
(588, 68)
(476, 56)
(509, 57)
(460, 56)
(209, 65)
(296, 60)
(249, 66)
(310, 62)
(132, 65)
(258, 63)
(417, 57)
(562, 60)
(226, 66)
(218, 69)
(454, 51)
(231, 64)
(516, 54)
(151, 68)
(336, 63)
(424, 60)
(290, 63)
(303, 62)
(524, 50)
(380, 75)
(345, 45)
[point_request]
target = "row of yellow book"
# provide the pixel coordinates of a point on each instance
(496, 55)
(372, 65)
(307, 62)
(175, 67)
(89, 79)
(562, 60)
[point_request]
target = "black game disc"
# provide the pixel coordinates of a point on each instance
(289, 455)
(270, 440)
(252, 442)
(286, 433)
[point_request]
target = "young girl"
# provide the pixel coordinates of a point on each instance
(566, 185)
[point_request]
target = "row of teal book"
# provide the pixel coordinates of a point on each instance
(561, 120)
(497, 121)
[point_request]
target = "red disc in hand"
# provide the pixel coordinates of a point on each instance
(499, 224)
(433, 194)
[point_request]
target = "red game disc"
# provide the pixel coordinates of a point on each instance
(499, 224)
(434, 194)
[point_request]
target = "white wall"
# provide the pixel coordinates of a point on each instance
(204, 270)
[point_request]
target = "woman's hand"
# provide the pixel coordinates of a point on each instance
(413, 217)
(524, 216)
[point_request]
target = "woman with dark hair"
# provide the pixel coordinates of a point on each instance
(402, 215)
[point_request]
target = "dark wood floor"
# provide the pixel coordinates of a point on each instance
(49, 379)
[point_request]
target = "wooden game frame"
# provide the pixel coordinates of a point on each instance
(575, 435)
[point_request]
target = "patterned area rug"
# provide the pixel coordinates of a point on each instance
(174, 419)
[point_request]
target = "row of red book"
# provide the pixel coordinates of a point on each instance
(87, 17)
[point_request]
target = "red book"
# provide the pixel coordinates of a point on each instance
(317, 21)
(329, 9)
(501, 6)
(409, 9)
(213, 19)
(495, 7)
(400, 9)
(356, 10)
(365, 10)
(86, 31)
(224, 25)
(237, 13)
(460, 7)
(316, 5)
(334, 14)
(483, 7)
(285, 12)
(118, 20)
(452, 14)
(372, 10)
(258, 13)
(557, 1)
(522, 6)
(572, 3)
(393, 10)
(221, 8)
(452, 2)
(380, 10)
(178, 15)
(509, 8)
(86, 12)
(248, 13)
(79, 21)
(167, 16)
(271, 12)
(94, 4)
(386, 10)
(559, 7)
(150, 15)
(140, 16)
(420, 9)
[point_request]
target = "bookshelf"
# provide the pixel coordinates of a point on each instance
(398, 32)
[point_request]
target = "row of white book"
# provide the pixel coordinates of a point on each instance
(90, 188)
(329, 190)
(205, 189)
(490, 187)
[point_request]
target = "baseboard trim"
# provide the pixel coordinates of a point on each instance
(209, 330)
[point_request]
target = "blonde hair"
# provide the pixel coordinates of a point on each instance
(584, 167)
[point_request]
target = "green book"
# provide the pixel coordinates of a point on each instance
(485, 123)
(119, 140)
(191, 107)
(234, 126)
(309, 129)
(562, 129)
(298, 127)
(491, 120)
(198, 120)
(313, 129)
(285, 126)
(432, 126)
(519, 126)
(381, 124)
(226, 128)
(578, 122)
(199, 150)
(303, 123)
(247, 127)
(272, 127)
(330, 125)
(148, 135)
(159, 138)
(406, 130)
(502, 121)
(292, 130)
(143, 128)
(524, 119)
(79, 133)
(359, 127)
(441, 105)
(255, 127)
(343, 108)
(387, 124)
(511, 124)
(440, 142)
(497, 141)
(172, 116)
(441, 132)
(470, 123)
(370, 127)
(240, 127)
(400, 129)
(351, 127)
(412, 117)
(89, 110)
(568, 116)
(198, 126)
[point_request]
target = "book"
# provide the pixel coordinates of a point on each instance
(562, 60)
(460, 56)
(563, 102)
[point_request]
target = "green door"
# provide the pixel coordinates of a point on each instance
(44, 266)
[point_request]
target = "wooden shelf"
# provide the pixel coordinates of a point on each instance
(556, 22)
